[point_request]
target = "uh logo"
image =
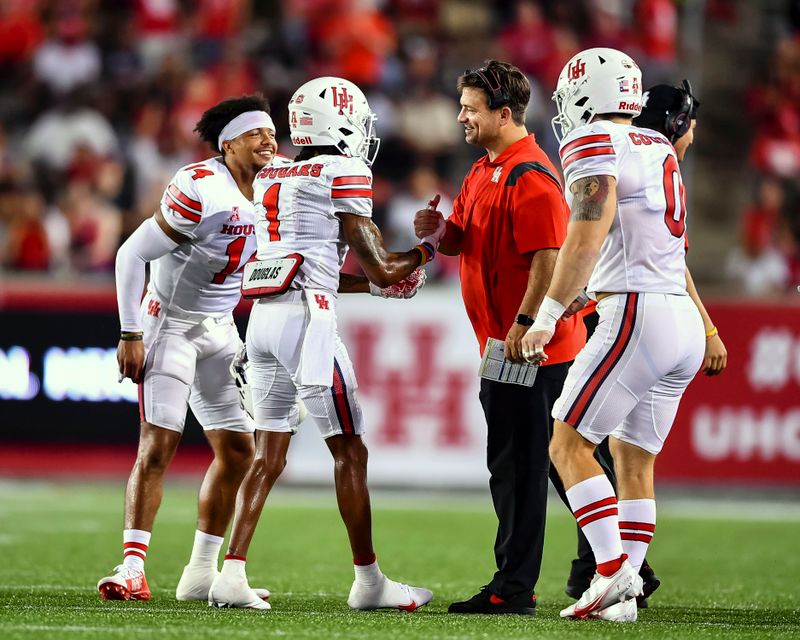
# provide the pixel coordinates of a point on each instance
(342, 99)
(576, 69)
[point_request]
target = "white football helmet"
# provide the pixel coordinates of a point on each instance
(596, 81)
(240, 370)
(333, 111)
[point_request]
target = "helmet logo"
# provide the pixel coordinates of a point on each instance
(576, 69)
(293, 121)
(342, 100)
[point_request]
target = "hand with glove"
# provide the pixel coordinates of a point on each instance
(406, 288)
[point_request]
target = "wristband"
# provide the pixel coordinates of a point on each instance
(427, 252)
(549, 313)
(711, 333)
(131, 336)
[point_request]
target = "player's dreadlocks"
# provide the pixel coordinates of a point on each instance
(214, 120)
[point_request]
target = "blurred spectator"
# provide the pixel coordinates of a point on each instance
(25, 238)
(158, 25)
(54, 137)
(421, 186)
(95, 228)
(657, 27)
(354, 42)
(529, 40)
(217, 22)
(20, 31)
(68, 59)
(757, 265)
(426, 117)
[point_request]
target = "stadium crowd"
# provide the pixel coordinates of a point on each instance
(767, 259)
(99, 99)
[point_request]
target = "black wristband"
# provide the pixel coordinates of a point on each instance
(525, 321)
(131, 336)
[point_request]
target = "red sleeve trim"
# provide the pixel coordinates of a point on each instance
(184, 199)
(180, 210)
(347, 180)
(600, 137)
(351, 193)
(588, 153)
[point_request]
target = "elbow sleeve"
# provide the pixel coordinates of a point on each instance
(145, 244)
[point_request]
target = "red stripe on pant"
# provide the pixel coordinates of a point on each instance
(614, 355)
(141, 402)
(339, 393)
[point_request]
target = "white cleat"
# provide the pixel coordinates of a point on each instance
(606, 591)
(388, 594)
(232, 591)
(195, 584)
(621, 612)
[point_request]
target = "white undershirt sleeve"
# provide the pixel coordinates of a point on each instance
(145, 244)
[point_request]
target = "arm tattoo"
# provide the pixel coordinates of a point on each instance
(589, 197)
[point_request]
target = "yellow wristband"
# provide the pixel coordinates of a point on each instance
(711, 332)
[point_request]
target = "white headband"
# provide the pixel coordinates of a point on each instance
(244, 122)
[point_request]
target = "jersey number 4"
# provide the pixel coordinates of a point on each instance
(675, 195)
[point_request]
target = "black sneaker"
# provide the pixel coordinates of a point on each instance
(487, 602)
(577, 584)
(650, 583)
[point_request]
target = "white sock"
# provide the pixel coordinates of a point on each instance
(637, 524)
(205, 551)
(368, 574)
(233, 567)
(134, 548)
(595, 507)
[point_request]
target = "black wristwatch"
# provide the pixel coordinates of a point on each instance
(525, 321)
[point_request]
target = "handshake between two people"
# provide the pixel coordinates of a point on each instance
(429, 227)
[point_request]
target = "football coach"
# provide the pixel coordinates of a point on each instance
(507, 225)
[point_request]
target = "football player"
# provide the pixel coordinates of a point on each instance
(672, 112)
(177, 344)
(626, 238)
(308, 214)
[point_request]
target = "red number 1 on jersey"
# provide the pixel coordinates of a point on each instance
(675, 219)
(270, 202)
(234, 253)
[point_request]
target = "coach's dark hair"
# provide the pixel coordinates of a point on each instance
(214, 120)
(503, 84)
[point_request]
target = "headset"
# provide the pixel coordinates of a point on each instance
(498, 96)
(678, 122)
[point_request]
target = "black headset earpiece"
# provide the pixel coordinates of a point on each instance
(678, 122)
(497, 96)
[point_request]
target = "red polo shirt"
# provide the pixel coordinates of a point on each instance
(507, 210)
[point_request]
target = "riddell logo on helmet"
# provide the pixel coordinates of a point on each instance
(629, 106)
(301, 140)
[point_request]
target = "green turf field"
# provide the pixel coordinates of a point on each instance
(723, 576)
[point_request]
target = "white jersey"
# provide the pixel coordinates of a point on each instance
(645, 250)
(296, 207)
(203, 276)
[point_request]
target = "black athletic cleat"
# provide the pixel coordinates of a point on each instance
(487, 602)
(650, 583)
(577, 584)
